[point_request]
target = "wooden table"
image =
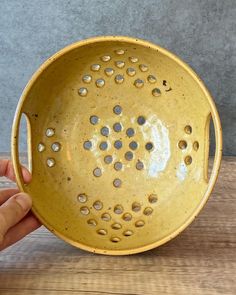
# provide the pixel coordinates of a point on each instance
(202, 260)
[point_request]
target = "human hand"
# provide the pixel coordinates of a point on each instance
(16, 220)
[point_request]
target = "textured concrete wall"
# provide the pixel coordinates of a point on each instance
(201, 32)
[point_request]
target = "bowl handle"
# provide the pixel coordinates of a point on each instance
(15, 147)
(208, 166)
(207, 147)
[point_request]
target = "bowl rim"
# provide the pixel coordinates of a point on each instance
(215, 118)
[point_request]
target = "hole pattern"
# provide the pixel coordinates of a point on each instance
(118, 209)
(147, 211)
(94, 120)
(115, 239)
(109, 72)
(84, 210)
(136, 207)
(188, 129)
(87, 145)
(128, 233)
(139, 83)
(116, 226)
(133, 145)
(41, 147)
(149, 146)
(139, 165)
(119, 51)
(141, 120)
(105, 131)
(106, 217)
(152, 198)
(102, 232)
(95, 67)
(127, 217)
(131, 72)
(117, 182)
(56, 146)
(97, 172)
(118, 144)
(111, 69)
(100, 83)
(117, 127)
(50, 132)
(97, 205)
(151, 79)
(51, 162)
(119, 79)
(186, 145)
(139, 223)
(118, 166)
(108, 159)
(83, 91)
(143, 68)
(103, 146)
(188, 160)
(87, 78)
(196, 145)
(82, 198)
(182, 144)
(92, 222)
(120, 64)
(117, 109)
(129, 156)
(133, 59)
(130, 132)
(156, 92)
(105, 58)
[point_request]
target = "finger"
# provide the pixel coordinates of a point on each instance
(23, 228)
(6, 169)
(26, 174)
(12, 211)
(6, 194)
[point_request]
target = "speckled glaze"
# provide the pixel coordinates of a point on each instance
(118, 137)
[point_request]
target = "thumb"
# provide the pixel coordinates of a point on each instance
(12, 211)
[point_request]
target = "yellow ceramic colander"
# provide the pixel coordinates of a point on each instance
(118, 141)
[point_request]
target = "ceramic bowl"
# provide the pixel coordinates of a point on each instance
(118, 144)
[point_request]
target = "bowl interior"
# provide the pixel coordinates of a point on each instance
(119, 145)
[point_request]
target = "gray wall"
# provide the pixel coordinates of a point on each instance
(200, 32)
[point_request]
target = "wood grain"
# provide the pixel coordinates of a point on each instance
(202, 260)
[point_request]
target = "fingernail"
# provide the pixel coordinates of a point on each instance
(24, 201)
